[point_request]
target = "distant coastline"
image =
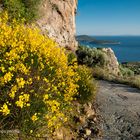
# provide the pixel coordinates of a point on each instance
(92, 40)
(126, 48)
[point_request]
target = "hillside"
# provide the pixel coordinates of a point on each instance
(92, 40)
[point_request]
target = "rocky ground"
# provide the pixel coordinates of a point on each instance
(119, 108)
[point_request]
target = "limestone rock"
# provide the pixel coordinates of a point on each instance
(112, 64)
(57, 19)
(88, 132)
(82, 119)
(90, 112)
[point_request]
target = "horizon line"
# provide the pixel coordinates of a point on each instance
(105, 35)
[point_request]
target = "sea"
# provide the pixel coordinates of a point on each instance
(127, 51)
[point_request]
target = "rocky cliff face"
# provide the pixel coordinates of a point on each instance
(58, 19)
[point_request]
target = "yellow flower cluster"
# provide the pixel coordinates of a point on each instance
(13, 91)
(34, 117)
(20, 82)
(4, 110)
(35, 76)
(6, 78)
(23, 100)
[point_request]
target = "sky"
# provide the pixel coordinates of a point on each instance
(108, 17)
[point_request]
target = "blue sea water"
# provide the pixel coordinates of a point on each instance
(127, 51)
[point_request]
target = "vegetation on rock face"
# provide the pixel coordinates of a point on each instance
(20, 9)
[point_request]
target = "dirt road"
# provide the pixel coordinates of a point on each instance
(119, 107)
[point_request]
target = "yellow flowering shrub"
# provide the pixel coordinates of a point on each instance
(87, 85)
(37, 86)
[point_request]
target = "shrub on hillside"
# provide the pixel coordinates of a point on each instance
(128, 78)
(72, 58)
(87, 85)
(20, 9)
(126, 71)
(91, 56)
(102, 73)
(134, 66)
(37, 86)
(136, 81)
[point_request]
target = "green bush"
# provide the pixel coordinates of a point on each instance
(126, 71)
(87, 85)
(72, 58)
(91, 56)
(134, 66)
(20, 9)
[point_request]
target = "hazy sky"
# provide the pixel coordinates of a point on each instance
(108, 17)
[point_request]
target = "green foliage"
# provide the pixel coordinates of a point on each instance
(126, 71)
(134, 66)
(20, 9)
(102, 73)
(87, 85)
(91, 56)
(71, 58)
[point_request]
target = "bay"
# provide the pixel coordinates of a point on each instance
(127, 51)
